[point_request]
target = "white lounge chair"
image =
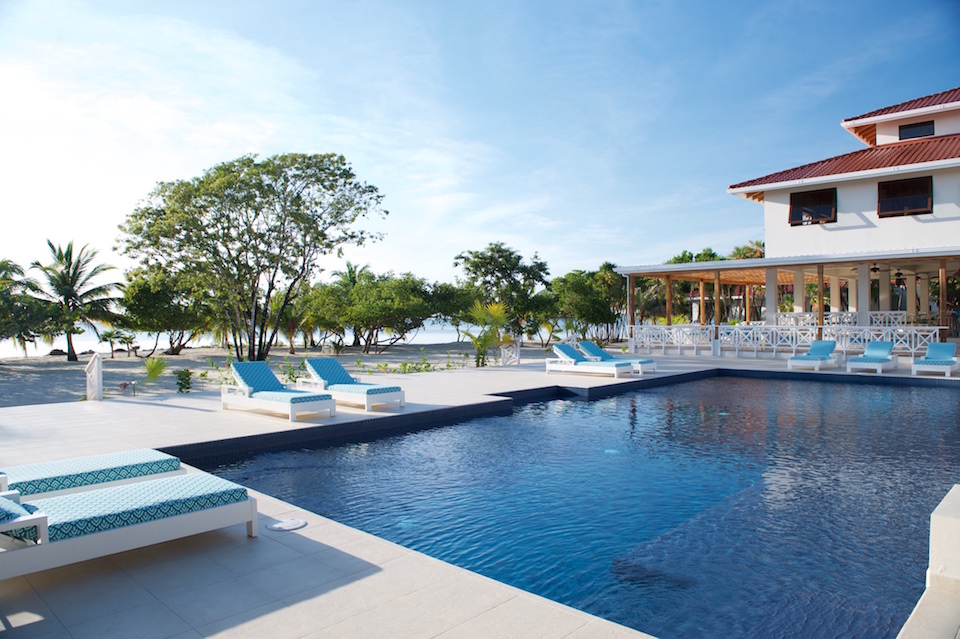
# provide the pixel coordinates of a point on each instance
(50, 479)
(326, 374)
(597, 354)
(819, 355)
(940, 358)
(877, 356)
(569, 360)
(258, 387)
(57, 531)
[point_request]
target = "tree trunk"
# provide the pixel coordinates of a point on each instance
(71, 354)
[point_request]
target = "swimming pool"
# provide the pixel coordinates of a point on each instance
(724, 507)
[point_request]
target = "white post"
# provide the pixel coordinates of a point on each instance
(924, 293)
(94, 371)
(834, 293)
(852, 294)
(912, 297)
(799, 292)
(863, 295)
(770, 293)
(885, 289)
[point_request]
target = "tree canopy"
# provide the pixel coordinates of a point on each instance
(250, 230)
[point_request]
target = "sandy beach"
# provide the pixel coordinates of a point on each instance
(51, 379)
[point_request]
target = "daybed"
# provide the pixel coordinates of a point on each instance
(326, 374)
(940, 358)
(819, 355)
(877, 356)
(259, 388)
(47, 533)
(50, 479)
(569, 360)
(597, 354)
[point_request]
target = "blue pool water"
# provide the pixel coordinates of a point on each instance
(720, 508)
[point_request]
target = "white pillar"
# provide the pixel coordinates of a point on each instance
(770, 293)
(834, 293)
(799, 292)
(924, 293)
(912, 296)
(863, 294)
(852, 294)
(884, 299)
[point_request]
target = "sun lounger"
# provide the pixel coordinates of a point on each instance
(877, 356)
(940, 358)
(57, 531)
(328, 375)
(819, 355)
(259, 388)
(597, 354)
(569, 360)
(97, 471)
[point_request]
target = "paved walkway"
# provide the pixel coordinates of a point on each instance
(323, 581)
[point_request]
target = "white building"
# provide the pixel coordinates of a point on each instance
(887, 214)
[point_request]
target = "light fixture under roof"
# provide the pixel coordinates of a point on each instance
(898, 274)
(874, 268)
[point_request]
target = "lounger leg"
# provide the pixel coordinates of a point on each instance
(252, 522)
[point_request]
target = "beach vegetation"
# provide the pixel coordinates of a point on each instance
(23, 318)
(490, 321)
(160, 300)
(155, 367)
(249, 230)
(68, 286)
(184, 380)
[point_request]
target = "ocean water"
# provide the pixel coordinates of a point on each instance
(720, 508)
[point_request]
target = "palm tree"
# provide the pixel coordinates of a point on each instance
(349, 278)
(68, 284)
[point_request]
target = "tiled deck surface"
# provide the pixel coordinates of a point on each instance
(323, 581)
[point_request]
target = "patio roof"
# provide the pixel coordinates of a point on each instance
(753, 271)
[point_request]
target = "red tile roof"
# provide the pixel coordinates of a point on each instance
(943, 147)
(944, 97)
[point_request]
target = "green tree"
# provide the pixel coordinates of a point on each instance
(68, 285)
(349, 278)
(23, 318)
(158, 301)
(490, 320)
(581, 301)
(499, 274)
(249, 230)
(387, 308)
(451, 304)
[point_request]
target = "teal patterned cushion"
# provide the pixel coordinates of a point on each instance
(936, 362)
(940, 351)
(11, 510)
(256, 375)
(84, 471)
(568, 352)
(588, 363)
(869, 360)
(94, 511)
(329, 370)
(358, 388)
(291, 396)
(811, 358)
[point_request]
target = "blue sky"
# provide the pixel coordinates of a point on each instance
(585, 132)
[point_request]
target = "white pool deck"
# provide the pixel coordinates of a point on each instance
(324, 581)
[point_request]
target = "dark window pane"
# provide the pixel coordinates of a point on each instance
(918, 130)
(813, 207)
(905, 197)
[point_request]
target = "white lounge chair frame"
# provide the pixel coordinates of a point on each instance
(877, 367)
(946, 369)
(368, 401)
(53, 554)
(640, 365)
(561, 366)
(239, 396)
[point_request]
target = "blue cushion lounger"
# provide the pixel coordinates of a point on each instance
(877, 356)
(259, 388)
(569, 360)
(47, 533)
(328, 375)
(97, 471)
(597, 354)
(819, 355)
(940, 358)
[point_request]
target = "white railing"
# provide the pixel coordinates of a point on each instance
(810, 319)
(757, 338)
(888, 318)
(678, 336)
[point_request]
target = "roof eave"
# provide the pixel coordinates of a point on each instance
(899, 115)
(750, 192)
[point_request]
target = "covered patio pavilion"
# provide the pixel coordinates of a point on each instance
(913, 270)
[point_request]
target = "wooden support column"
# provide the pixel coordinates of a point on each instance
(631, 303)
(703, 302)
(716, 304)
(669, 301)
(820, 301)
(943, 298)
(748, 290)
